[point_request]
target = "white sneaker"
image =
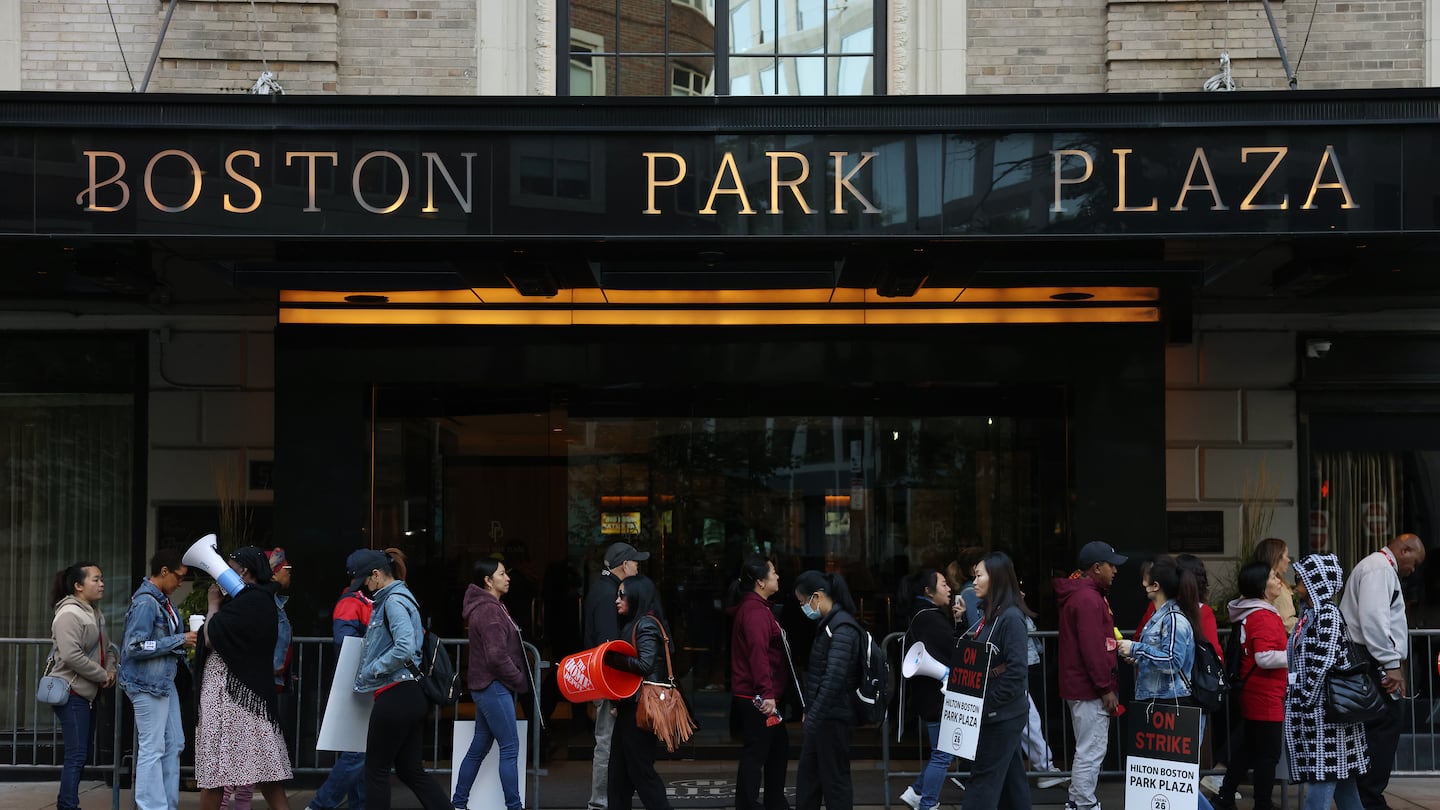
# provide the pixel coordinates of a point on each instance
(1054, 780)
(911, 798)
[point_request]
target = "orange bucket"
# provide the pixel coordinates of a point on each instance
(584, 677)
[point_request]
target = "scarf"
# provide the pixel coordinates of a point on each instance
(244, 632)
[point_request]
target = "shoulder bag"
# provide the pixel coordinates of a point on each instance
(53, 689)
(1352, 694)
(660, 709)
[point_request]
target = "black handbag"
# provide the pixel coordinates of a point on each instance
(1353, 693)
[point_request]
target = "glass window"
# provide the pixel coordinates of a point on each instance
(773, 47)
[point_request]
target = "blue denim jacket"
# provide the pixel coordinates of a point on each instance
(387, 648)
(1164, 655)
(282, 642)
(152, 646)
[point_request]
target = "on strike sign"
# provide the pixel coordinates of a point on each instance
(965, 699)
(1162, 757)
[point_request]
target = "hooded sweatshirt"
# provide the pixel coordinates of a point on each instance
(495, 652)
(1087, 640)
(1262, 659)
(78, 633)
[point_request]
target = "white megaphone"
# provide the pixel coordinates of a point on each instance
(202, 554)
(919, 662)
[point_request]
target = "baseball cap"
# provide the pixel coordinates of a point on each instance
(1097, 551)
(362, 561)
(277, 559)
(622, 553)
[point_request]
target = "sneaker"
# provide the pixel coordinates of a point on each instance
(911, 798)
(1074, 806)
(1055, 779)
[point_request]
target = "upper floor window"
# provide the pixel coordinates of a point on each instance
(723, 47)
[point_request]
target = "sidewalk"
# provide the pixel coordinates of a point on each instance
(567, 784)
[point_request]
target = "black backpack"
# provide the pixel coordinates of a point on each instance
(435, 673)
(1209, 686)
(1234, 654)
(872, 696)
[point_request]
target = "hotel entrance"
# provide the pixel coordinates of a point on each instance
(869, 481)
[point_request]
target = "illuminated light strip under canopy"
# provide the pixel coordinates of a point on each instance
(731, 298)
(619, 316)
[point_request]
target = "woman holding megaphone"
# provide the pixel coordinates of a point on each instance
(928, 645)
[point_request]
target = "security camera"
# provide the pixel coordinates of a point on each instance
(1317, 348)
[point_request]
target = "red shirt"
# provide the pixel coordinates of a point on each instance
(1262, 691)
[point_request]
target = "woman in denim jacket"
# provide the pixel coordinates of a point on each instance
(392, 647)
(1165, 653)
(153, 647)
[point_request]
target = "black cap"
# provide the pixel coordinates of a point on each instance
(1097, 551)
(622, 553)
(364, 560)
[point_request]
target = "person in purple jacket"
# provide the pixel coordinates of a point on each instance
(758, 672)
(495, 677)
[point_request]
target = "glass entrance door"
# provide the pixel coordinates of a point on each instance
(870, 486)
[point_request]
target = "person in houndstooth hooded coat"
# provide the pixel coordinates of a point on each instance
(1327, 754)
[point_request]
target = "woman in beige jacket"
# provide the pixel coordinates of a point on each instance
(81, 658)
(1275, 553)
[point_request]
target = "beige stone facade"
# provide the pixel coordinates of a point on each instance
(505, 47)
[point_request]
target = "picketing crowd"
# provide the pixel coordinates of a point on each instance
(1294, 656)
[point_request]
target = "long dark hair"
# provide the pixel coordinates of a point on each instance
(485, 567)
(1253, 579)
(1178, 583)
(66, 579)
(833, 585)
(921, 584)
(755, 569)
(1004, 589)
(1196, 566)
(642, 598)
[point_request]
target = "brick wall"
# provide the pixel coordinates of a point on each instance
(1157, 45)
(1036, 46)
(419, 47)
(1359, 44)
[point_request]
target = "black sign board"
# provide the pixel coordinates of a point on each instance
(1196, 531)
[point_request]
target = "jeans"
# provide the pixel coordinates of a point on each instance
(1092, 738)
(494, 722)
(1318, 795)
(395, 737)
(764, 753)
(76, 718)
(157, 758)
(346, 781)
(997, 779)
(824, 769)
(1033, 743)
(932, 776)
(600, 762)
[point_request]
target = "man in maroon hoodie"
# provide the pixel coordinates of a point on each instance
(1088, 680)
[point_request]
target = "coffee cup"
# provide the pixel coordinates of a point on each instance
(197, 620)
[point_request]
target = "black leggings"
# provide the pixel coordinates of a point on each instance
(394, 737)
(1256, 748)
(632, 764)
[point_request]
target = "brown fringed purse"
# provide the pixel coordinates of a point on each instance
(659, 708)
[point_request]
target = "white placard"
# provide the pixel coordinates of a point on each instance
(1162, 757)
(347, 712)
(960, 724)
(485, 792)
(1161, 784)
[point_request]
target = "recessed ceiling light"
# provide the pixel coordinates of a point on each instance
(1072, 296)
(366, 298)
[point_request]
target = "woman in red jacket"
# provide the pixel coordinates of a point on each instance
(1262, 684)
(758, 671)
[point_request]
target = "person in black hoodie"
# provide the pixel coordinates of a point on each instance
(928, 592)
(632, 749)
(997, 779)
(830, 682)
